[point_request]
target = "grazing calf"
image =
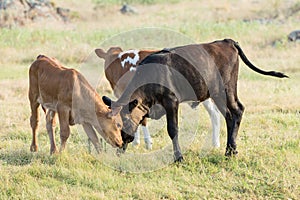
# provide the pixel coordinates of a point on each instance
(67, 93)
(187, 73)
(119, 63)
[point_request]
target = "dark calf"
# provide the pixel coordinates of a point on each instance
(186, 73)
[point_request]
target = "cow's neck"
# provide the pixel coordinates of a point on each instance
(87, 104)
(141, 96)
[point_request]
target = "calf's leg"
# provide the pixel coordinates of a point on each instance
(172, 127)
(215, 118)
(147, 136)
(136, 140)
(34, 119)
(50, 123)
(233, 119)
(63, 115)
(91, 133)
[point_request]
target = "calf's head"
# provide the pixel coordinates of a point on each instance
(132, 115)
(110, 127)
(110, 56)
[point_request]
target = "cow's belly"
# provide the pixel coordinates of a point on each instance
(48, 105)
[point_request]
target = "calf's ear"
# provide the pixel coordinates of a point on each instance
(100, 53)
(114, 111)
(106, 100)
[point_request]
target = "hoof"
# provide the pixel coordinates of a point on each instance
(71, 122)
(179, 159)
(231, 152)
(135, 143)
(33, 148)
(148, 145)
(53, 151)
(216, 144)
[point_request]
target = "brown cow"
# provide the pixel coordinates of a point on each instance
(67, 93)
(119, 62)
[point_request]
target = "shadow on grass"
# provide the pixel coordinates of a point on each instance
(23, 157)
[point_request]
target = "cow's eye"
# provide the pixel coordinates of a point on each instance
(119, 125)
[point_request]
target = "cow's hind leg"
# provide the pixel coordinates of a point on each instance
(63, 115)
(34, 119)
(215, 118)
(233, 119)
(50, 123)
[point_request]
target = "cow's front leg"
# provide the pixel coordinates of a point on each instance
(147, 136)
(91, 133)
(172, 126)
(136, 140)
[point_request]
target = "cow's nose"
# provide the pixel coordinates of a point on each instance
(119, 142)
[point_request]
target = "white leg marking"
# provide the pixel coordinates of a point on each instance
(215, 119)
(147, 138)
(136, 140)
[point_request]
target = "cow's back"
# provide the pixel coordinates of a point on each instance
(176, 70)
(201, 65)
(53, 81)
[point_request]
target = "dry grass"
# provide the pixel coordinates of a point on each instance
(267, 166)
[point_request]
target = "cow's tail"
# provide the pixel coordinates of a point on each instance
(251, 66)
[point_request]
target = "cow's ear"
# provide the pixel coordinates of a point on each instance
(115, 111)
(107, 100)
(100, 53)
(133, 104)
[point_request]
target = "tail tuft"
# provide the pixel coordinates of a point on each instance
(251, 66)
(278, 74)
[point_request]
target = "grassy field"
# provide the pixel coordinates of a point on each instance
(267, 166)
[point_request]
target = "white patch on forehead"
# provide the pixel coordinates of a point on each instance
(133, 61)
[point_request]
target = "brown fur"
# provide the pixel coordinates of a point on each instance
(114, 71)
(66, 92)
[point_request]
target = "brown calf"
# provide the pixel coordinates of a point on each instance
(67, 93)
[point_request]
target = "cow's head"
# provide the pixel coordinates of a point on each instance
(109, 125)
(132, 115)
(110, 56)
(110, 128)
